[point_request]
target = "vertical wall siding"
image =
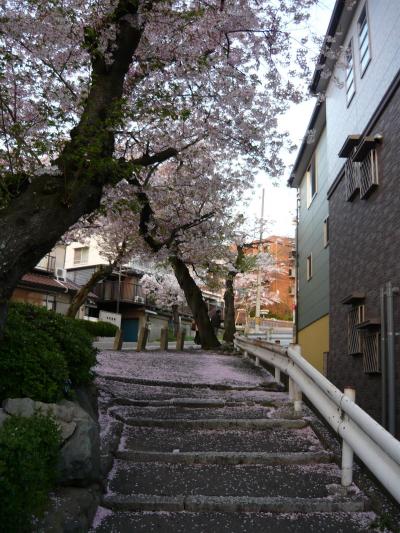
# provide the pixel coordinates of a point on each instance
(313, 302)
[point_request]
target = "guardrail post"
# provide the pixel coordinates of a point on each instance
(180, 340)
(164, 339)
(290, 388)
(347, 452)
(142, 339)
(297, 398)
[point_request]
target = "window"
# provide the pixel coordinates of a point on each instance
(81, 255)
(363, 40)
(326, 232)
(311, 182)
(49, 302)
(350, 82)
(309, 267)
(354, 318)
(368, 174)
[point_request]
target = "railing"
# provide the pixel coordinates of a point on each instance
(47, 263)
(112, 291)
(375, 446)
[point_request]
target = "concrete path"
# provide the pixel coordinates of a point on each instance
(202, 442)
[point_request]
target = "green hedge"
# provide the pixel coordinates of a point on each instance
(29, 449)
(43, 354)
(99, 329)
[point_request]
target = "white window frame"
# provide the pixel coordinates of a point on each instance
(326, 232)
(350, 73)
(309, 267)
(311, 171)
(83, 250)
(364, 17)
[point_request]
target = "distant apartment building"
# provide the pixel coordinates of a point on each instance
(347, 175)
(277, 279)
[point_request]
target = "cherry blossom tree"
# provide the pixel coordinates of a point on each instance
(93, 91)
(161, 285)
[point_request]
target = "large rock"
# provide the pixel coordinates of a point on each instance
(63, 415)
(80, 455)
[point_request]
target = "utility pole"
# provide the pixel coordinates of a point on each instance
(260, 249)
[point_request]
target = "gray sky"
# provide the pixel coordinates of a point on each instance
(280, 201)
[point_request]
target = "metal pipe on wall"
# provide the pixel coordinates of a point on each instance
(391, 363)
(383, 358)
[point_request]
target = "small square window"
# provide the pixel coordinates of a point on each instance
(326, 232)
(309, 267)
(81, 255)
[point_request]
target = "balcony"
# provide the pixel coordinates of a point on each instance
(47, 263)
(124, 291)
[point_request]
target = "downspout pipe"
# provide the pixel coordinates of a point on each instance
(391, 362)
(383, 358)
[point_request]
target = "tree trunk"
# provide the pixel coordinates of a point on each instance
(175, 318)
(229, 315)
(196, 303)
(80, 297)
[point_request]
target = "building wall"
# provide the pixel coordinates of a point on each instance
(343, 120)
(314, 342)
(62, 300)
(364, 255)
(313, 296)
(94, 255)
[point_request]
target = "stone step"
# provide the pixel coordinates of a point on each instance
(126, 392)
(213, 423)
(268, 385)
(185, 522)
(236, 412)
(244, 481)
(234, 504)
(226, 458)
(273, 440)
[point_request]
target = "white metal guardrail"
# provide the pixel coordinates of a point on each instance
(375, 446)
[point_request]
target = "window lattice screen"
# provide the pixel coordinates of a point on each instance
(355, 317)
(371, 356)
(368, 173)
(351, 170)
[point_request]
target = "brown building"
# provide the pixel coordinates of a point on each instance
(277, 277)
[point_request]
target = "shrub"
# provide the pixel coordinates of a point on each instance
(31, 363)
(99, 329)
(29, 449)
(41, 351)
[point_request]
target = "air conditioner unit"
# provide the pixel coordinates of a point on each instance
(139, 299)
(61, 274)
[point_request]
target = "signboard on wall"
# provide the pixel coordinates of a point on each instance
(113, 318)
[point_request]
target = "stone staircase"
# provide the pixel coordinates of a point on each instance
(189, 457)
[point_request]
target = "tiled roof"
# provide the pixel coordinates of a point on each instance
(49, 282)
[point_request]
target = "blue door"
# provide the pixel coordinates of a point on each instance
(130, 328)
